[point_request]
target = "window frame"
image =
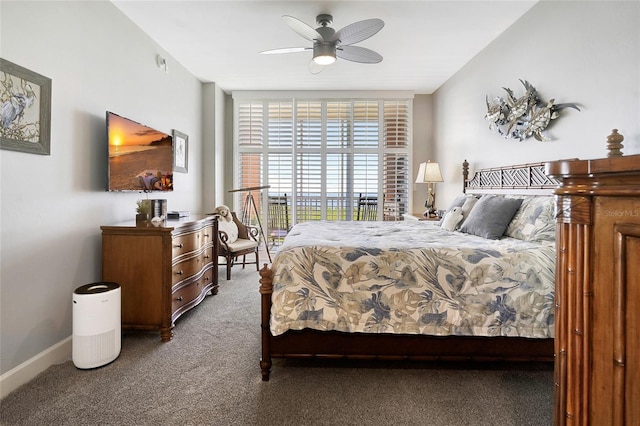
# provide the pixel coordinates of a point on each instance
(382, 150)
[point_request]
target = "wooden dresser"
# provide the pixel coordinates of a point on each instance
(597, 341)
(163, 270)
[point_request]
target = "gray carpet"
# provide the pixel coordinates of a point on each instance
(209, 374)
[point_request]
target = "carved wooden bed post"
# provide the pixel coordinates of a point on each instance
(266, 289)
(465, 175)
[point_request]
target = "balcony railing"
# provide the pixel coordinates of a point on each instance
(337, 208)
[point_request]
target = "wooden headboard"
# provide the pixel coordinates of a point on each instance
(527, 178)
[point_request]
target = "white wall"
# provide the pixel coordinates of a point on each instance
(582, 52)
(422, 149)
(53, 206)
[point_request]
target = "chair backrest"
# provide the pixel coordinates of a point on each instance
(278, 216)
(242, 228)
(367, 207)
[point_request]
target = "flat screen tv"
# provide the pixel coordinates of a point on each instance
(140, 158)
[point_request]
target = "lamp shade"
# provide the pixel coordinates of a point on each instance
(429, 172)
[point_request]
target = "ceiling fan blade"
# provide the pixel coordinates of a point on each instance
(301, 28)
(358, 31)
(315, 68)
(285, 50)
(358, 54)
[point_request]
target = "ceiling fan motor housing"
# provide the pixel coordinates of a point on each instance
(327, 33)
(325, 50)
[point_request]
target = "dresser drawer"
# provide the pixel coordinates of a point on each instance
(206, 235)
(185, 295)
(190, 292)
(192, 265)
(185, 243)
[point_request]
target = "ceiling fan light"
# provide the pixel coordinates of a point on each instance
(324, 53)
(324, 59)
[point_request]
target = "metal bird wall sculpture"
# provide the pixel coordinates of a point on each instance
(522, 117)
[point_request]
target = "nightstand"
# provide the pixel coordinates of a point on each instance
(419, 216)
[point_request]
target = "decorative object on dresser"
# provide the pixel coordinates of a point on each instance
(25, 105)
(143, 210)
(163, 270)
(502, 292)
(429, 173)
(597, 348)
(522, 117)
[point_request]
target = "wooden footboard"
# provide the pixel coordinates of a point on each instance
(328, 344)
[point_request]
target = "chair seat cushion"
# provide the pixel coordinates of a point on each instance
(241, 244)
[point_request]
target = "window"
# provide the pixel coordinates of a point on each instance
(324, 154)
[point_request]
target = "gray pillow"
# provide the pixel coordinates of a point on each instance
(490, 216)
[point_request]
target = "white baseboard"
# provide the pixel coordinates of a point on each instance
(25, 372)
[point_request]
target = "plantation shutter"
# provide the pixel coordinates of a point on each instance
(278, 149)
(324, 154)
(250, 136)
(395, 164)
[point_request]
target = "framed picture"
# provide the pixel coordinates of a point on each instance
(25, 108)
(180, 151)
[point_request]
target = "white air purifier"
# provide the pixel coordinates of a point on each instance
(96, 337)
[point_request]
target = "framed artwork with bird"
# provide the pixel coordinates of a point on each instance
(25, 110)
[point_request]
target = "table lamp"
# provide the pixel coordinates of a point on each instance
(429, 173)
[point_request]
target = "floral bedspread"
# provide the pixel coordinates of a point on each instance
(411, 278)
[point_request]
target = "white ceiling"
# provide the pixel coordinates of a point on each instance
(423, 43)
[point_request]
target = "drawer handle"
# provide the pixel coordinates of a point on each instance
(180, 299)
(206, 235)
(179, 272)
(206, 256)
(178, 245)
(207, 279)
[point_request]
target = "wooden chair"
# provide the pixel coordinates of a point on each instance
(246, 243)
(278, 219)
(367, 207)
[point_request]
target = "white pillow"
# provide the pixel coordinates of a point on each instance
(466, 208)
(452, 219)
(230, 228)
(460, 201)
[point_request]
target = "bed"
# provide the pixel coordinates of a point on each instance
(413, 290)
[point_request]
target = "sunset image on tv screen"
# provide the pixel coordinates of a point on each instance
(140, 158)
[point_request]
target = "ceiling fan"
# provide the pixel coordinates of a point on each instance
(329, 44)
